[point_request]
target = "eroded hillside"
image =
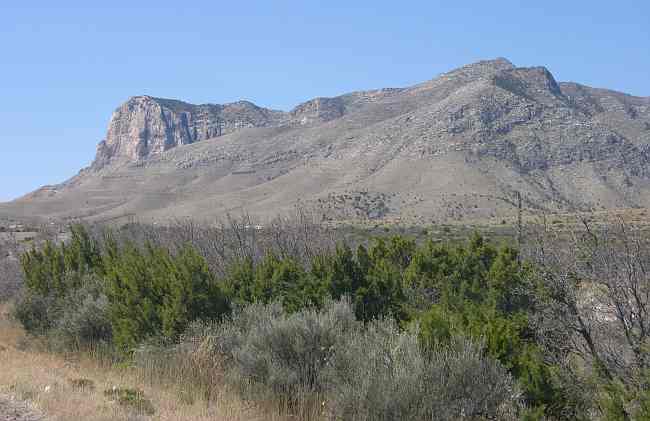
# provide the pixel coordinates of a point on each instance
(459, 146)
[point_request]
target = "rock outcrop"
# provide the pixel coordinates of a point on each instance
(145, 126)
(318, 110)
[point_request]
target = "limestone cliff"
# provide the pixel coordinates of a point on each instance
(145, 126)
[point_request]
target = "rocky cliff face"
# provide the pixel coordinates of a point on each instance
(318, 110)
(145, 126)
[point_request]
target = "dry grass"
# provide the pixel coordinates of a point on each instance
(51, 382)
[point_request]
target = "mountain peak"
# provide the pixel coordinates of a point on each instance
(531, 82)
(486, 66)
(498, 62)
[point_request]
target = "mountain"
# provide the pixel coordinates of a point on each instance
(461, 145)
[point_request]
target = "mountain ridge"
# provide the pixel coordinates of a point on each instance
(178, 122)
(448, 148)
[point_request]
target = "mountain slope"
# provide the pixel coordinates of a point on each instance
(458, 146)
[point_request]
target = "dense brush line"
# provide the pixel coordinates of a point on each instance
(373, 332)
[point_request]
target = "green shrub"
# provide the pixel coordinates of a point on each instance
(81, 295)
(152, 293)
(57, 270)
(340, 272)
(382, 293)
(63, 290)
(486, 294)
(239, 281)
(371, 278)
(285, 280)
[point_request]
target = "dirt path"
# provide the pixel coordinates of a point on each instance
(12, 410)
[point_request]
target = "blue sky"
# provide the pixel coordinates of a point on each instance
(66, 65)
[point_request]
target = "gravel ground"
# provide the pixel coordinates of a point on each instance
(12, 410)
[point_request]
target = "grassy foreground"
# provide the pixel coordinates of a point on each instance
(73, 387)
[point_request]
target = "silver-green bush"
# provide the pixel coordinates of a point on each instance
(10, 278)
(346, 370)
(85, 322)
(381, 374)
(78, 320)
(37, 313)
(285, 355)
